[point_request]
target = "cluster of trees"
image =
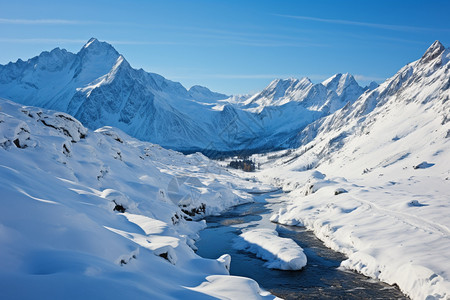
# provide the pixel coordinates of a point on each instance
(244, 164)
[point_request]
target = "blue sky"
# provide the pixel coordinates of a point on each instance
(234, 46)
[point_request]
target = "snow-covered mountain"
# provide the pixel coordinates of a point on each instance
(103, 215)
(203, 94)
(419, 82)
(326, 97)
(99, 87)
(373, 179)
(372, 85)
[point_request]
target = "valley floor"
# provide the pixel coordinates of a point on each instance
(320, 278)
(392, 227)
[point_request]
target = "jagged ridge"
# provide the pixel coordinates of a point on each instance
(99, 87)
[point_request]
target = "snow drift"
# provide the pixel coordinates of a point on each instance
(102, 215)
(280, 253)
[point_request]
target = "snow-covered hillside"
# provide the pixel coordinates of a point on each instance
(203, 94)
(103, 215)
(100, 88)
(373, 179)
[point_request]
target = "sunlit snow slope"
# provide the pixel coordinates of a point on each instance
(100, 215)
(373, 179)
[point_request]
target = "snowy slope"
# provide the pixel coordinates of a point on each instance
(102, 215)
(203, 94)
(373, 179)
(100, 88)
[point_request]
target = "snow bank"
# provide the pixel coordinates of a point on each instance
(96, 215)
(219, 287)
(280, 253)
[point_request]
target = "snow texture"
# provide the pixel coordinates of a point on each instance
(97, 215)
(390, 152)
(280, 253)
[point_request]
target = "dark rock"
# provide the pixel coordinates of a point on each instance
(423, 165)
(119, 207)
(339, 191)
(194, 211)
(164, 255)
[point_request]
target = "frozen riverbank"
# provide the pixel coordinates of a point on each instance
(320, 278)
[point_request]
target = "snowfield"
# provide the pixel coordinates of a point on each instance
(280, 253)
(373, 179)
(101, 215)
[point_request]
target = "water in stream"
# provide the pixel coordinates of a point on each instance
(320, 279)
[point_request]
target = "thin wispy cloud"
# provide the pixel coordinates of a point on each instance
(43, 22)
(61, 22)
(357, 23)
(275, 44)
(210, 32)
(242, 37)
(143, 43)
(266, 42)
(80, 41)
(42, 40)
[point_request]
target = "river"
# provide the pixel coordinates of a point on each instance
(320, 279)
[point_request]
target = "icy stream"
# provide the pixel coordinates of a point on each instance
(321, 277)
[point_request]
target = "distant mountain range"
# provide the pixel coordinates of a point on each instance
(99, 87)
(424, 82)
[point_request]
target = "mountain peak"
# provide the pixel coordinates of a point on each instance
(371, 86)
(95, 59)
(95, 46)
(91, 42)
(333, 79)
(279, 87)
(433, 51)
(203, 94)
(305, 80)
(339, 82)
(437, 45)
(199, 88)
